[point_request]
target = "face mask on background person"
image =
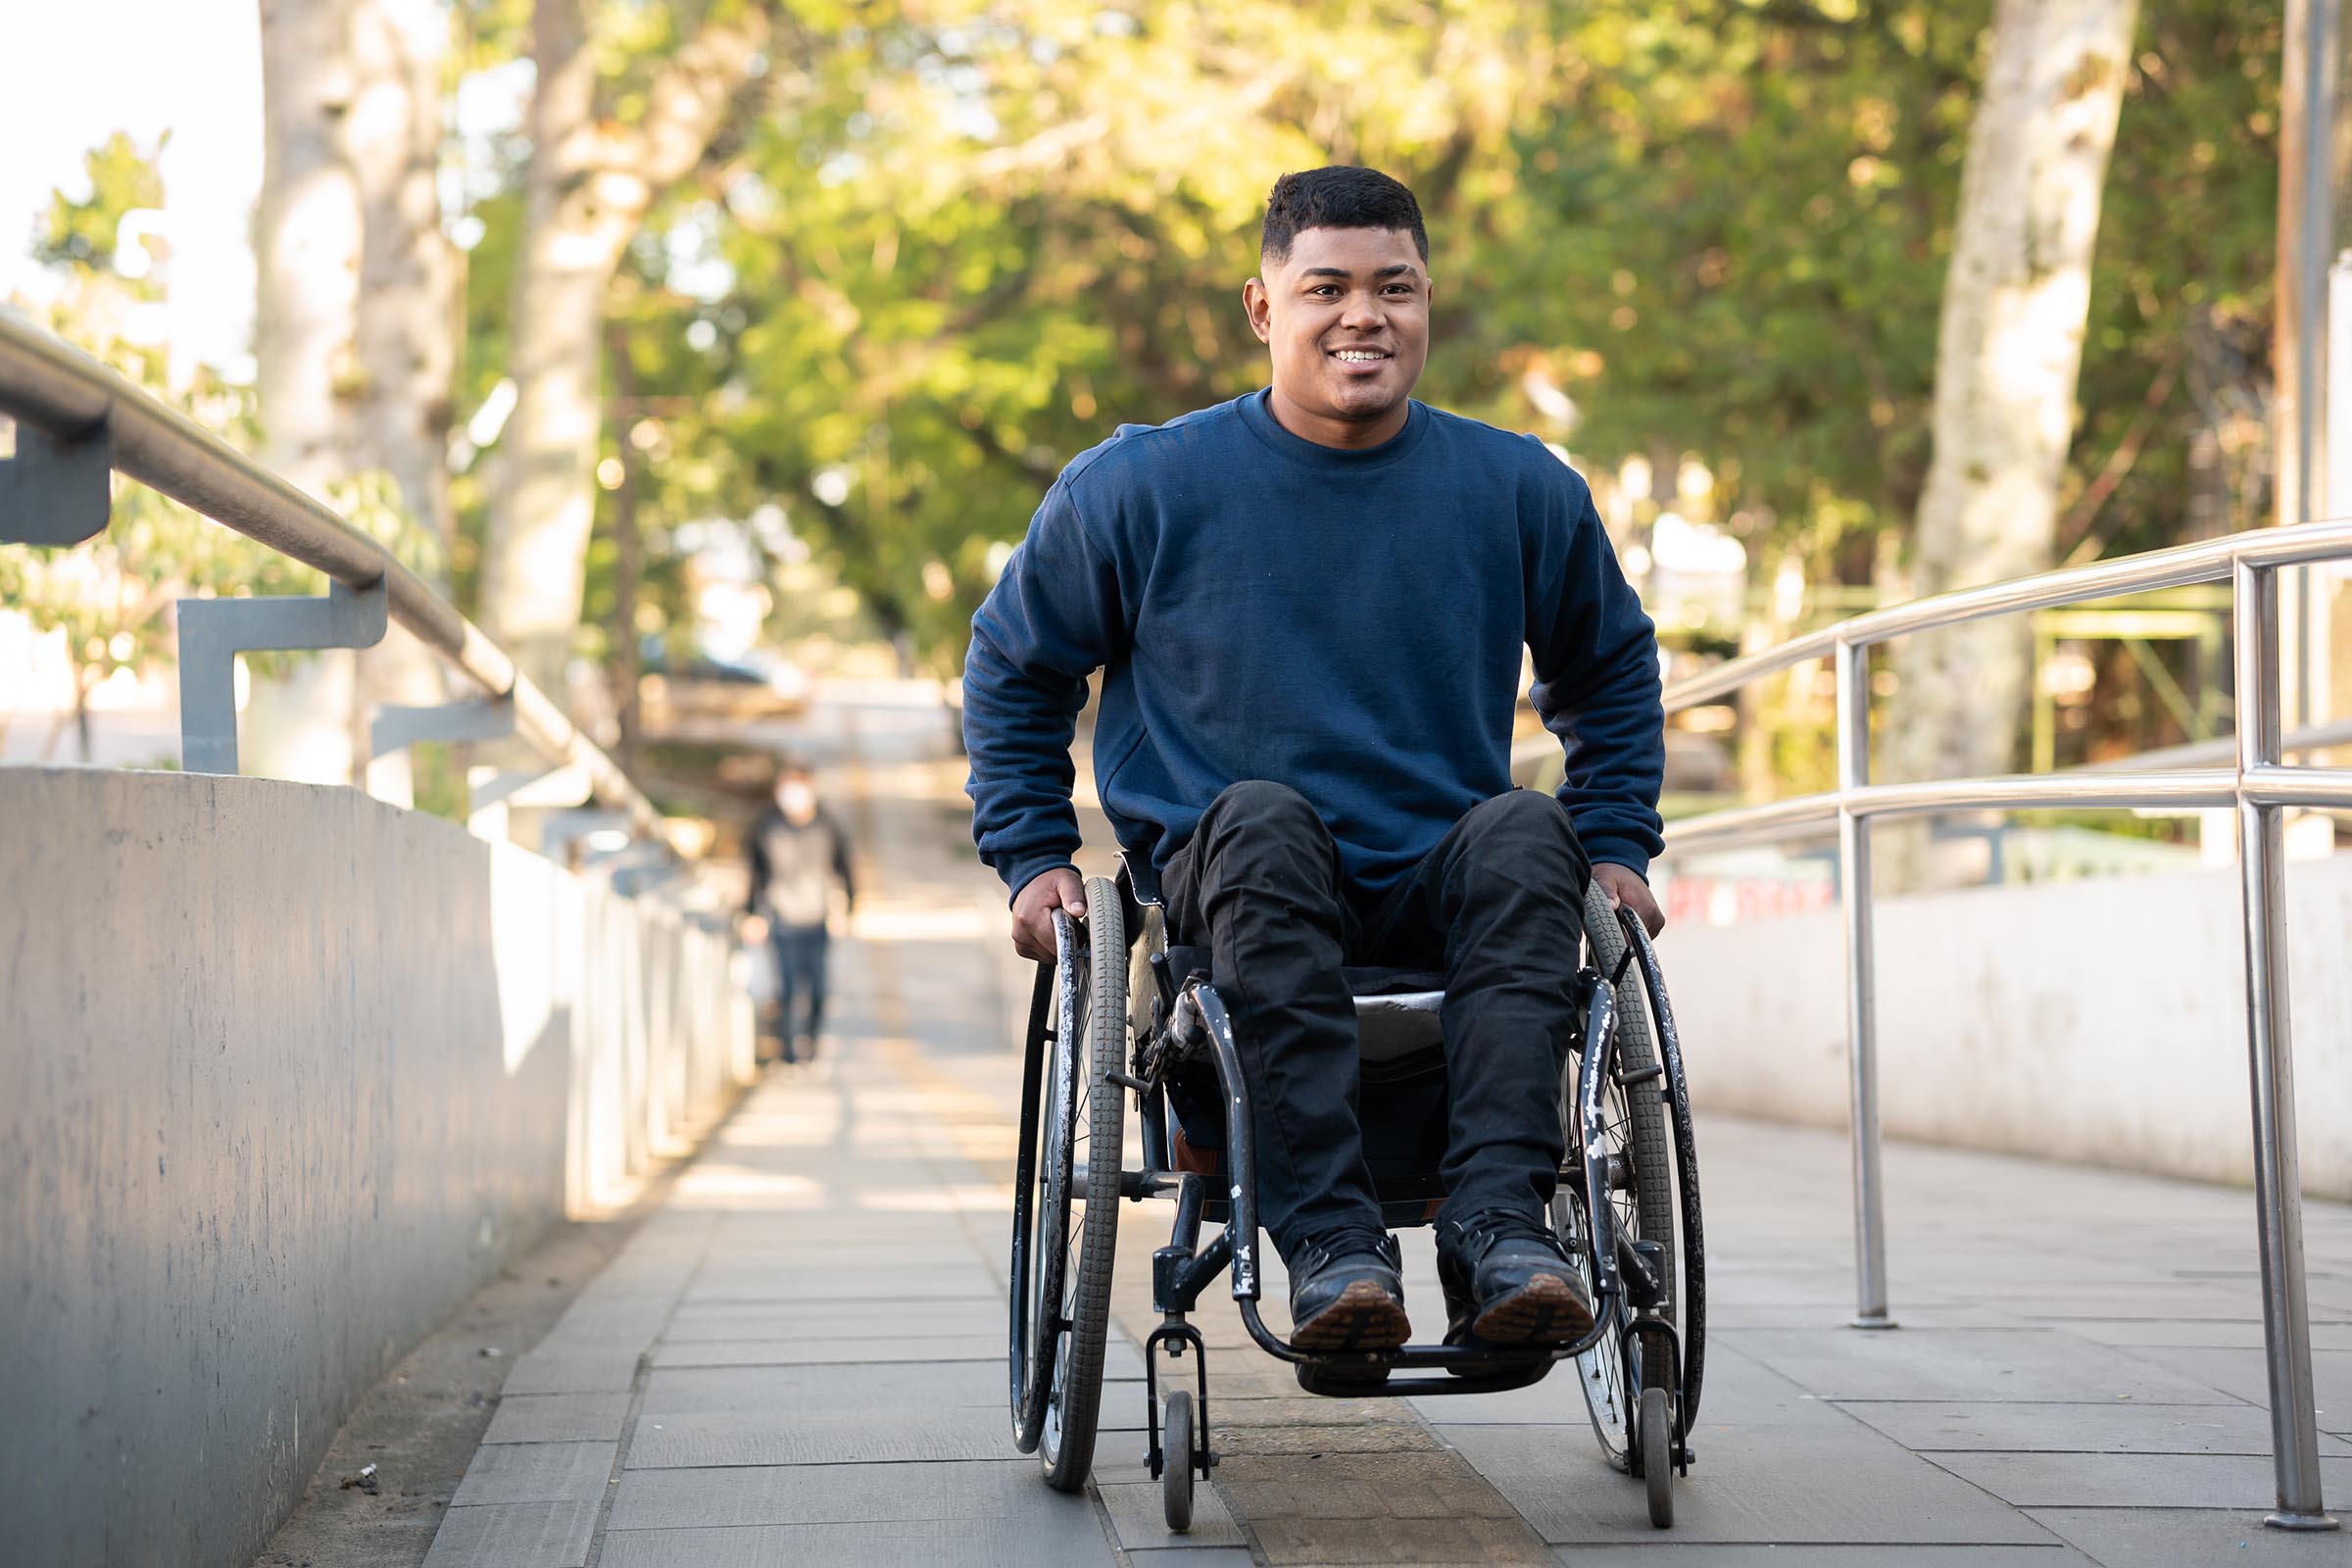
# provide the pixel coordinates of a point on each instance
(796, 800)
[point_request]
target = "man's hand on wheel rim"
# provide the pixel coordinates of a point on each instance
(1626, 889)
(1034, 905)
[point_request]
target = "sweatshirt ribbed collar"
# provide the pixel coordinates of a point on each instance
(1358, 460)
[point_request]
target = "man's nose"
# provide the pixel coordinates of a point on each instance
(1365, 313)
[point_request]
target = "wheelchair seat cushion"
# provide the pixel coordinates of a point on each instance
(1395, 1011)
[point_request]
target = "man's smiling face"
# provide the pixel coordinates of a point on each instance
(1346, 317)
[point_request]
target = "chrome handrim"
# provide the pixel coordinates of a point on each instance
(1070, 1125)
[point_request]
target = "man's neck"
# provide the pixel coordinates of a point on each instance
(1348, 435)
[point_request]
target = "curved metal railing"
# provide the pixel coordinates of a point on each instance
(90, 419)
(2255, 782)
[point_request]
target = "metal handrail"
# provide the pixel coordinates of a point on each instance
(64, 393)
(2257, 785)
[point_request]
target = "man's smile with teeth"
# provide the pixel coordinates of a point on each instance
(1358, 354)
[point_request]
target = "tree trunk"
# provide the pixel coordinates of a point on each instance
(627, 557)
(2011, 344)
(405, 338)
(307, 230)
(589, 186)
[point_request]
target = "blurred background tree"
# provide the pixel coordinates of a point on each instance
(837, 289)
(110, 602)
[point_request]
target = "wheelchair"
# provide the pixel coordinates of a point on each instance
(1123, 1011)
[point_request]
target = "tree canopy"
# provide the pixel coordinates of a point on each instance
(946, 249)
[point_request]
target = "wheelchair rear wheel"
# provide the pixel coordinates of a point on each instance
(1641, 1198)
(1065, 1219)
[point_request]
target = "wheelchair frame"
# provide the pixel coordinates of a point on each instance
(1060, 1312)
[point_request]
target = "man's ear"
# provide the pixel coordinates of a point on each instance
(1259, 307)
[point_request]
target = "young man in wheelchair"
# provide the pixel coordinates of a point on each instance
(1309, 607)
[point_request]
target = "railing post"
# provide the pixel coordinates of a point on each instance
(1861, 988)
(2277, 1180)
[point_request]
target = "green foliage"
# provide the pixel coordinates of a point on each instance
(111, 596)
(963, 243)
(84, 234)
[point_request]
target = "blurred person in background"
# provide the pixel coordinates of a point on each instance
(797, 850)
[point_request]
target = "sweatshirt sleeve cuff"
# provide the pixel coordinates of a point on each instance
(1021, 873)
(1610, 851)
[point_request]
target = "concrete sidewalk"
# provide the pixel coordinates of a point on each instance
(801, 1357)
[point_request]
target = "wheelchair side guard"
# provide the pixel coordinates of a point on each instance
(1240, 1149)
(1591, 1073)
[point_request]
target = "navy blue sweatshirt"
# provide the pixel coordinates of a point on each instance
(1346, 622)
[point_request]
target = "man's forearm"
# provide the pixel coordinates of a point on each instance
(1017, 732)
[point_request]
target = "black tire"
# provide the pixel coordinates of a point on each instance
(1645, 1210)
(1177, 1441)
(1690, 1319)
(1029, 1385)
(1084, 1224)
(1657, 1455)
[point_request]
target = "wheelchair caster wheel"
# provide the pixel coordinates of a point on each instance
(1177, 1446)
(1657, 1456)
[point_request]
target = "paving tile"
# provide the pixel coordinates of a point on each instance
(786, 1436)
(1966, 1364)
(2116, 1427)
(791, 1285)
(1297, 1408)
(1417, 1543)
(537, 1472)
(2187, 1537)
(1120, 1454)
(2157, 1299)
(515, 1535)
(828, 1320)
(619, 1325)
(1192, 1557)
(898, 1349)
(832, 1493)
(2244, 1374)
(2134, 1480)
(1668, 1553)
(829, 1390)
(2199, 1334)
(1356, 1487)
(1067, 1541)
(1386, 1437)
(561, 1371)
(1796, 1482)
(1732, 1316)
(1775, 1464)
(558, 1418)
(1139, 1518)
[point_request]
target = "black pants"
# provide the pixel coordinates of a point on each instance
(1497, 905)
(800, 952)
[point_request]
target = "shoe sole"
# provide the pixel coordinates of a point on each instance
(1545, 1310)
(1365, 1318)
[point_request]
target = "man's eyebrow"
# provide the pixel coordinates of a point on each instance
(1398, 270)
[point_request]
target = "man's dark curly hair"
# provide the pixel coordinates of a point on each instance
(1341, 196)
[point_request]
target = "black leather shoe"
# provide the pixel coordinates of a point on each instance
(1347, 1293)
(1507, 1282)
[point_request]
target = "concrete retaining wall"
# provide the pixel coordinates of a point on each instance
(2099, 1022)
(286, 1074)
